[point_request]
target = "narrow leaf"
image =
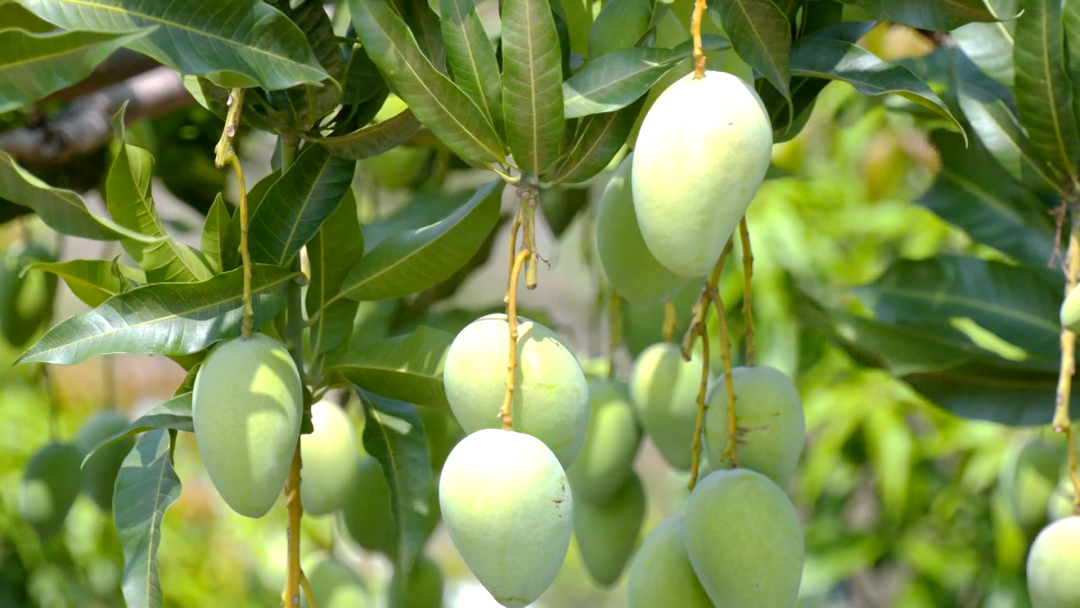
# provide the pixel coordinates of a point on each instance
(334, 251)
(424, 23)
(990, 46)
(599, 138)
(372, 140)
(940, 15)
(92, 281)
(174, 414)
(215, 234)
(760, 33)
(407, 368)
(621, 24)
(471, 57)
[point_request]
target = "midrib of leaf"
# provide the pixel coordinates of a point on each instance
(159, 229)
(472, 61)
(966, 9)
(1062, 148)
(154, 522)
(983, 195)
(307, 201)
(1031, 163)
(532, 93)
(397, 476)
(652, 64)
(757, 34)
(610, 118)
(1008, 313)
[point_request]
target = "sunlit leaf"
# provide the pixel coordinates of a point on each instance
(471, 57)
(760, 33)
(407, 368)
(92, 281)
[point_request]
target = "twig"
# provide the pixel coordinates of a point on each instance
(511, 319)
(225, 155)
(670, 319)
(1062, 422)
(117, 67)
(725, 358)
(699, 425)
(514, 228)
(291, 596)
(529, 199)
(307, 586)
(748, 306)
(695, 31)
(614, 329)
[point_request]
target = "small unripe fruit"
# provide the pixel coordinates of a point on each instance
(99, 472)
(1028, 475)
(744, 540)
(611, 442)
(422, 589)
(700, 157)
(629, 266)
(606, 534)
(661, 575)
(664, 389)
(1070, 311)
(551, 397)
(1053, 566)
(335, 585)
(770, 427)
(366, 514)
(507, 506)
(246, 406)
(328, 456)
(50, 486)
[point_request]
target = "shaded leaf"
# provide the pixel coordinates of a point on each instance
(424, 24)
(598, 139)
(619, 25)
(302, 105)
(471, 58)
(760, 33)
(929, 14)
(407, 368)
(426, 207)
(332, 253)
(174, 414)
(374, 139)
(1070, 13)
(997, 393)
(215, 234)
(13, 15)
(92, 281)
(990, 46)
(231, 251)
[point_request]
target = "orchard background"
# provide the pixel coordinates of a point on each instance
(909, 243)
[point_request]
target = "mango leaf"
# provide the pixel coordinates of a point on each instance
(296, 205)
(621, 24)
(598, 139)
(1043, 94)
(336, 248)
(436, 101)
(173, 414)
(410, 261)
(305, 104)
(407, 368)
(1002, 393)
(532, 76)
(424, 23)
(1070, 12)
(471, 58)
(62, 210)
(579, 19)
(394, 435)
(989, 46)
(13, 15)
(426, 207)
(164, 318)
(232, 42)
(372, 140)
(215, 234)
(146, 487)
(92, 281)
(35, 65)
(929, 14)
(760, 33)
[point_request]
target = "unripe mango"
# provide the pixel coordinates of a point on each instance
(328, 456)
(744, 540)
(629, 266)
(1053, 566)
(551, 396)
(1028, 475)
(1061, 501)
(611, 442)
(335, 585)
(664, 389)
(606, 534)
(661, 575)
(50, 486)
(507, 506)
(422, 589)
(99, 472)
(1070, 311)
(701, 155)
(770, 427)
(366, 514)
(246, 406)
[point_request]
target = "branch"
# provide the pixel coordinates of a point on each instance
(118, 67)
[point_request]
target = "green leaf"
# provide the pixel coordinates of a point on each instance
(13, 15)
(146, 487)
(255, 196)
(92, 281)
(760, 34)
(424, 23)
(407, 368)
(1070, 11)
(302, 105)
(619, 25)
(34, 65)
(232, 42)
(940, 15)
(373, 139)
(297, 204)
(471, 58)
(598, 139)
(335, 250)
(215, 234)
(989, 46)
(394, 435)
(426, 207)
(531, 85)
(436, 101)
(579, 20)
(1043, 94)
(62, 210)
(408, 262)
(173, 414)
(165, 318)
(1002, 394)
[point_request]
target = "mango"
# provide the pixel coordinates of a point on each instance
(606, 534)
(611, 442)
(551, 396)
(422, 589)
(247, 403)
(770, 427)
(1029, 473)
(50, 486)
(366, 514)
(328, 456)
(335, 585)
(1061, 501)
(628, 265)
(1070, 311)
(744, 540)
(99, 472)
(507, 506)
(661, 575)
(1053, 566)
(664, 389)
(442, 432)
(700, 157)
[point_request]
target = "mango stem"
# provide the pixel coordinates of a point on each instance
(695, 31)
(511, 319)
(748, 303)
(699, 425)
(225, 155)
(670, 319)
(1062, 422)
(290, 598)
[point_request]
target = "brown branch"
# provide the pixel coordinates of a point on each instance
(118, 67)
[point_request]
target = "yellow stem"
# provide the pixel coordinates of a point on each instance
(514, 228)
(725, 357)
(670, 319)
(529, 198)
(695, 31)
(699, 426)
(307, 586)
(290, 598)
(248, 322)
(748, 302)
(511, 318)
(1062, 420)
(614, 329)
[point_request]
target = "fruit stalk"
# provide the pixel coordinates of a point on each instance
(1062, 422)
(515, 227)
(307, 589)
(511, 318)
(670, 318)
(528, 198)
(748, 274)
(695, 31)
(614, 329)
(225, 155)
(725, 357)
(699, 424)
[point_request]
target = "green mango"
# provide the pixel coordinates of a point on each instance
(607, 534)
(661, 575)
(1061, 501)
(627, 263)
(769, 423)
(1053, 566)
(26, 302)
(335, 585)
(247, 404)
(50, 486)
(442, 432)
(366, 514)
(508, 509)
(1070, 311)
(99, 472)
(664, 389)
(1029, 473)
(744, 540)
(700, 157)
(611, 442)
(422, 589)
(328, 456)
(551, 396)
